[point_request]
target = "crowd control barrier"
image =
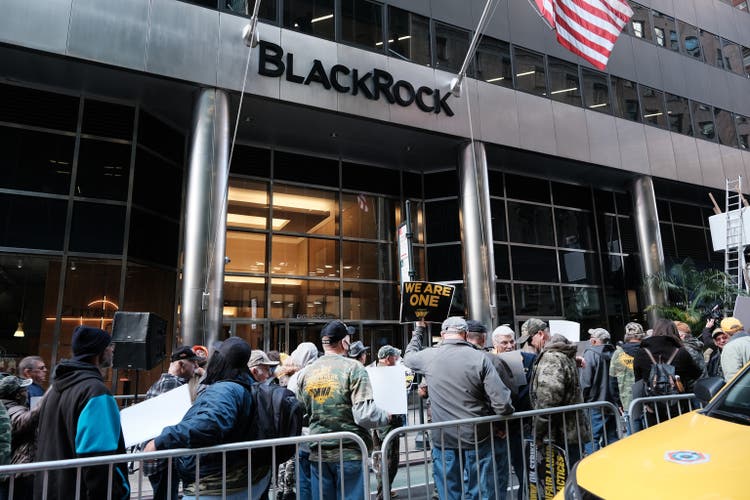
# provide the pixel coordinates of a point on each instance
(526, 458)
(649, 411)
(141, 489)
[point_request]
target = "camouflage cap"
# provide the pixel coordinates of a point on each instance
(633, 330)
(388, 350)
(529, 329)
(11, 384)
(600, 333)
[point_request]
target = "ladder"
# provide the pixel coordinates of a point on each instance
(733, 258)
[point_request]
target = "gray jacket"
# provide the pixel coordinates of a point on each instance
(462, 384)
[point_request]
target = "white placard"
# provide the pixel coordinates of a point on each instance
(146, 420)
(571, 330)
(389, 388)
(34, 401)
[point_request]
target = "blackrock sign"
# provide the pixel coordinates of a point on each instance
(371, 85)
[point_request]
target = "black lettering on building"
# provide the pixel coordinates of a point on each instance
(270, 54)
(318, 74)
(383, 81)
(421, 92)
(290, 76)
(336, 70)
(398, 96)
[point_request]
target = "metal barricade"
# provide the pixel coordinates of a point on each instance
(646, 412)
(505, 461)
(141, 489)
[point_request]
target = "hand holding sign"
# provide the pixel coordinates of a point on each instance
(425, 301)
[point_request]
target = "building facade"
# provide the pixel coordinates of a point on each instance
(138, 176)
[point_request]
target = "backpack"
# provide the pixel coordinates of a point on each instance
(277, 413)
(662, 378)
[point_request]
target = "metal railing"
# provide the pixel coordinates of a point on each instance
(646, 412)
(514, 461)
(139, 490)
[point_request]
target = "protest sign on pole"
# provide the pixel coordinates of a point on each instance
(425, 301)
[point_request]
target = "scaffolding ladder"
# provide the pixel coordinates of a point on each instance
(733, 255)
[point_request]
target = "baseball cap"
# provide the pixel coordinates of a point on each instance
(258, 357)
(454, 324)
(529, 329)
(388, 350)
(356, 349)
(11, 384)
(600, 333)
(184, 352)
(731, 325)
(716, 332)
(334, 331)
(633, 330)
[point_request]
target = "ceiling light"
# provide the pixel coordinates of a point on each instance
(651, 115)
(598, 105)
(19, 330)
(322, 18)
(526, 73)
(563, 90)
(405, 37)
(495, 79)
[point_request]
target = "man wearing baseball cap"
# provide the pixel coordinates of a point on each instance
(389, 356)
(80, 418)
(736, 352)
(534, 333)
(261, 366)
(182, 367)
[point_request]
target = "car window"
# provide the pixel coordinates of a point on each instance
(735, 405)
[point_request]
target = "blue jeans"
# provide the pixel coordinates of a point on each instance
(328, 475)
(303, 475)
(601, 426)
(501, 466)
(448, 472)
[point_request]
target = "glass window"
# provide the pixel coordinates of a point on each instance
(314, 17)
(267, 9)
(411, 36)
(157, 184)
(247, 160)
(498, 219)
(160, 137)
(32, 222)
(711, 48)
(530, 224)
(451, 45)
(571, 195)
(106, 221)
(36, 161)
(306, 169)
(563, 81)
(678, 113)
(652, 104)
(625, 99)
(496, 182)
(703, 122)
(444, 263)
(690, 44)
(534, 264)
(367, 260)
(595, 90)
(304, 210)
(746, 60)
(742, 123)
(537, 300)
(610, 238)
(247, 203)
(627, 235)
(36, 107)
(691, 244)
(367, 216)
(492, 62)
(103, 170)
(527, 188)
(731, 56)
(574, 229)
(107, 119)
(502, 266)
(370, 179)
(370, 301)
(725, 127)
(665, 31)
(529, 68)
(295, 256)
(579, 267)
(605, 201)
(441, 218)
(246, 251)
(685, 214)
(153, 238)
(362, 23)
(584, 306)
(305, 299)
(640, 23)
(244, 297)
(440, 184)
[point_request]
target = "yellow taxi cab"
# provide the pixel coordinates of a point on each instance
(700, 455)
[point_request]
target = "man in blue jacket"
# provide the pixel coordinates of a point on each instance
(79, 418)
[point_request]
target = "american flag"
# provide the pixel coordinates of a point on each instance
(588, 28)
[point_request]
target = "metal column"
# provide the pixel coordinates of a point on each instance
(205, 220)
(476, 235)
(647, 231)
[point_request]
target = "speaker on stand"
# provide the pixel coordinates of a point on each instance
(140, 341)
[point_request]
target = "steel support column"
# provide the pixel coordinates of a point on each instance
(647, 231)
(201, 309)
(476, 235)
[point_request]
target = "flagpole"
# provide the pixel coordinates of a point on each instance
(455, 87)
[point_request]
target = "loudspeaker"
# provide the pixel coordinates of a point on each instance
(139, 338)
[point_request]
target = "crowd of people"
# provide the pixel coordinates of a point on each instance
(469, 373)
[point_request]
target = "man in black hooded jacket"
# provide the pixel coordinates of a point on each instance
(80, 418)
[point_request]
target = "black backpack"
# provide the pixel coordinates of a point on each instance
(277, 413)
(662, 378)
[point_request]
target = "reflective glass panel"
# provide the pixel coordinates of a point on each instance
(574, 229)
(725, 127)
(370, 301)
(678, 114)
(367, 216)
(610, 238)
(596, 90)
(731, 55)
(313, 299)
(665, 31)
(362, 23)
(652, 104)
(703, 122)
(267, 9)
(537, 300)
(690, 44)
(527, 188)
(498, 219)
(742, 124)
(444, 263)
(492, 62)
(106, 221)
(103, 170)
(304, 257)
(304, 210)
(153, 238)
(244, 297)
(563, 81)
(314, 17)
(579, 267)
(571, 195)
(106, 119)
(625, 99)
(711, 48)
(533, 264)
(36, 161)
(451, 45)
(367, 260)
(410, 34)
(150, 288)
(37, 107)
(248, 206)
(530, 224)
(246, 251)
(32, 222)
(502, 266)
(640, 23)
(584, 306)
(746, 59)
(157, 184)
(529, 68)
(441, 219)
